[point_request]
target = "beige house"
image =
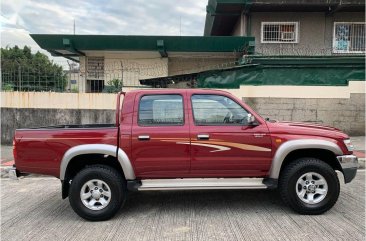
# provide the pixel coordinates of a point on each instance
(131, 58)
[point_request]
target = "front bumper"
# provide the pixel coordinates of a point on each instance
(349, 164)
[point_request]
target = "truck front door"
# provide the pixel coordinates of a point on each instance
(222, 142)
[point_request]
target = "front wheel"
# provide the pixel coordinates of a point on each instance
(309, 186)
(97, 192)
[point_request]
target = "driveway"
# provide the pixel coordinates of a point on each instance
(32, 209)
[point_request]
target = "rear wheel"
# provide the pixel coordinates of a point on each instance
(309, 186)
(97, 192)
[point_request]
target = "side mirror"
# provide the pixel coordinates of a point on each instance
(251, 120)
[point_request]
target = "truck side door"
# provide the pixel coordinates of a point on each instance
(222, 142)
(160, 122)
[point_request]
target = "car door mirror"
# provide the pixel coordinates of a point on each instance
(251, 120)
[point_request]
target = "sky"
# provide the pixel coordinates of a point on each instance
(19, 18)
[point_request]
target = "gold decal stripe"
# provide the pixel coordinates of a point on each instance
(219, 148)
(237, 145)
(179, 139)
(163, 139)
(218, 143)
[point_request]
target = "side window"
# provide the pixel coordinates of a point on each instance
(155, 110)
(217, 110)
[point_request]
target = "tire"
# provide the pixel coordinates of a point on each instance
(315, 198)
(90, 184)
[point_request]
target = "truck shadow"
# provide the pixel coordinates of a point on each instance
(202, 200)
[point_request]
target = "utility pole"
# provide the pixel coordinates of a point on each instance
(74, 26)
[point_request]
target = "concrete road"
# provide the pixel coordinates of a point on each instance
(32, 209)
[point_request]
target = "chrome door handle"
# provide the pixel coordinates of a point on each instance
(144, 138)
(203, 137)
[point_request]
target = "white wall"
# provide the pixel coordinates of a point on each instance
(52, 100)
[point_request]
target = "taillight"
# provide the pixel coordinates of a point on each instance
(14, 150)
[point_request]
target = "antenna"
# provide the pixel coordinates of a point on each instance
(180, 25)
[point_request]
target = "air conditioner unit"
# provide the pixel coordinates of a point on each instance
(288, 36)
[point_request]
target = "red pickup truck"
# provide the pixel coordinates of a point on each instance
(178, 139)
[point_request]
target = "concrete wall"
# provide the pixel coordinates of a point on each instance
(303, 92)
(315, 31)
(52, 100)
(132, 70)
(240, 26)
(14, 118)
(347, 115)
(103, 101)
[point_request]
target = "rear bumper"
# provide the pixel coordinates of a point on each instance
(349, 164)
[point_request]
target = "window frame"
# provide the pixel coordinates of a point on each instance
(334, 50)
(297, 32)
(223, 124)
(158, 125)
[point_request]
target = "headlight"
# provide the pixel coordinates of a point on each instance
(348, 144)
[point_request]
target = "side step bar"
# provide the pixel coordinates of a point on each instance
(201, 184)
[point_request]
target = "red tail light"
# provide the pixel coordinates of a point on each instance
(14, 150)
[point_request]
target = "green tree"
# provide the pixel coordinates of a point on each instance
(113, 86)
(23, 71)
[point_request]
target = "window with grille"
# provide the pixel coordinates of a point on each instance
(349, 37)
(279, 32)
(95, 68)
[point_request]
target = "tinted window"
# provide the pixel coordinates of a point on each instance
(217, 110)
(161, 110)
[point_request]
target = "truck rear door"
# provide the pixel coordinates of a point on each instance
(160, 135)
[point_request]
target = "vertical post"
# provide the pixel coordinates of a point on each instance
(121, 75)
(69, 81)
(39, 79)
(20, 77)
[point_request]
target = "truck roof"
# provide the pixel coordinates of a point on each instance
(179, 90)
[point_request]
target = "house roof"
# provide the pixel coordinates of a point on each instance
(70, 46)
(222, 15)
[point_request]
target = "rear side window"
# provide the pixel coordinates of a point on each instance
(156, 110)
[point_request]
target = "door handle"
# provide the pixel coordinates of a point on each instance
(144, 138)
(203, 137)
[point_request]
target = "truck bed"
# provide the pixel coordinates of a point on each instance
(41, 149)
